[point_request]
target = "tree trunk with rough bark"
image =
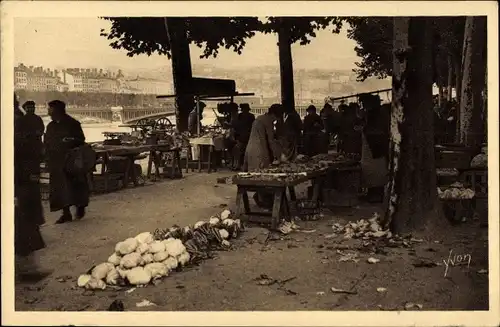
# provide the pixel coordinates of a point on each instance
(181, 70)
(286, 67)
(411, 193)
(473, 81)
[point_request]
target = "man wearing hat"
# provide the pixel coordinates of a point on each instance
(242, 135)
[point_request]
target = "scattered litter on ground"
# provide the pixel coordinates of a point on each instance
(63, 279)
(363, 228)
(307, 230)
(372, 260)
(265, 280)
(131, 290)
(339, 290)
(416, 240)
(411, 306)
(482, 271)
(327, 236)
(320, 293)
(381, 289)
(145, 303)
(348, 257)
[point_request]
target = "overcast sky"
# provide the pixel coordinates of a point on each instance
(75, 42)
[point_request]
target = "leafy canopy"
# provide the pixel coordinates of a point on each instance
(374, 35)
(148, 35)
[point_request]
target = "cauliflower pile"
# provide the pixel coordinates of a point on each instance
(363, 228)
(147, 257)
(456, 191)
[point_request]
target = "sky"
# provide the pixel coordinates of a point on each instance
(75, 42)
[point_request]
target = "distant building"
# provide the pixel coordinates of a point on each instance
(149, 86)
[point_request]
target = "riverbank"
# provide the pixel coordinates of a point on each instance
(310, 261)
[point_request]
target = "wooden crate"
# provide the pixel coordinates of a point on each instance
(453, 159)
(336, 198)
(457, 209)
(115, 182)
(477, 180)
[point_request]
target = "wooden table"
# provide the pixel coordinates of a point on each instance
(281, 207)
(130, 154)
(155, 156)
(213, 144)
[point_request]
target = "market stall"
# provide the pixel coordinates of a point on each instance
(280, 178)
(205, 148)
(127, 154)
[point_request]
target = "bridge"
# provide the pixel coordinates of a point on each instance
(131, 115)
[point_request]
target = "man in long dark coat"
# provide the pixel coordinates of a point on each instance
(66, 189)
(242, 134)
(290, 133)
(28, 212)
(313, 133)
(263, 149)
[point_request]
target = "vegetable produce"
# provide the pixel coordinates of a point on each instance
(139, 276)
(83, 280)
(101, 270)
(114, 259)
(127, 246)
(156, 247)
(479, 161)
(95, 284)
(145, 238)
(149, 256)
(131, 260)
(142, 248)
(171, 263)
(113, 277)
(156, 269)
(456, 191)
(160, 256)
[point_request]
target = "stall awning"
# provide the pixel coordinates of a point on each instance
(211, 89)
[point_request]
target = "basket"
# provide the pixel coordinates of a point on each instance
(455, 210)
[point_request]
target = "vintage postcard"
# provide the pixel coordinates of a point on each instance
(274, 163)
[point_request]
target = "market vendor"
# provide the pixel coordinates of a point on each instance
(194, 119)
(314, 137)
(290, 133)
(375, 151)
(243, 128)
(263, 149)
(349, 136)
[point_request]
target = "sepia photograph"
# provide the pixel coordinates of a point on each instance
(252, 157)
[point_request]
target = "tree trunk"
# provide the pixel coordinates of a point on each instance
(450, 79)
(411, 191)
(474, 70)
(286, 67)
(458, 79)
(181, 70)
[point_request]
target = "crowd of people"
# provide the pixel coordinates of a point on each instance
(360, 129)
(60, 149)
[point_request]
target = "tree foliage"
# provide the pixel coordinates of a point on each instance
(373, 36)
(301, 29)
(148, 35)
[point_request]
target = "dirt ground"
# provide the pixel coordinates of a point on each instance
(308, 260)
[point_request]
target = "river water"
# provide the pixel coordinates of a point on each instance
(93, 131)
